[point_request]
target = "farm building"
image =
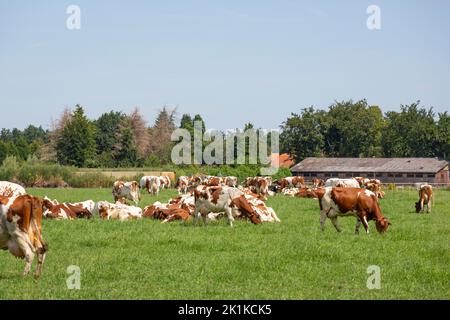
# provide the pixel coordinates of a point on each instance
(388, 170)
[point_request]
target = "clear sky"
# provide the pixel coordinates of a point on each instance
(231, 61)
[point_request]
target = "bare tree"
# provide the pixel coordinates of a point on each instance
(140, 133)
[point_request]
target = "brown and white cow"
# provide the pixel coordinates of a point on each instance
(306, 193)
(127, 190)
(260, 184)
(361, 203)
(222, 199)
(318, 183)
(151, 183)
(21, 229)
(165, 182)
(68, 211)
(118, 211)
(425, 197)
(343, 183)
(292, 182)
(10, 189)
(182, 184)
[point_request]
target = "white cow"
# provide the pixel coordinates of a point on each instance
(126, 190)
(118, 211)
(346, 183)
(9, 189)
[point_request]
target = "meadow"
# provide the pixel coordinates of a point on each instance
(145, 259)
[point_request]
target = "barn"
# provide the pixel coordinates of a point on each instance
(388, 170)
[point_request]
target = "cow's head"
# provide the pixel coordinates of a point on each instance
(418, 207)
(382, 225)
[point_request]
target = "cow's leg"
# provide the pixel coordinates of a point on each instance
(421, 205)
(26, 248)
(335, 224)
(429, 206)
(323, 218)
(365, 224)
(358, 224)
(229, 213)
(41, 259)
(196, 216)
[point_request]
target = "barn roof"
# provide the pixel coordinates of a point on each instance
(425, 165)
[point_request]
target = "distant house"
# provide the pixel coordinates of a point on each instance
(388, 170)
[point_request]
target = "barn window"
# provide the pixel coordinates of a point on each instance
(306, 174)
(419, 175)
(327, 175)
(431, 176)
(398, 175)
(390, 175)
(410, 175)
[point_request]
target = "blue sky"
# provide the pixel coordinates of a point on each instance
(231, 61)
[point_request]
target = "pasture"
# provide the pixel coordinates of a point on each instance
(292, 260)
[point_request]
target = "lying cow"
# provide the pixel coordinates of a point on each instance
(68, 211)
(10, 189)
(343, 183)
(360, 203)
(222, 199)
(425, 197)
(260, 184)
(126, 190)
(118, 211)
(21, 229)
(166, 212)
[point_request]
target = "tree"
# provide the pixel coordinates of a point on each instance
(412, 132)
(160, 134)
(141, 136)
(76, 142)
(443, 139)
(354, 130)
(107, 126)
(303, 135)
(126, 153)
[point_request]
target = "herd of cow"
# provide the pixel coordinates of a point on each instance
(204, 198)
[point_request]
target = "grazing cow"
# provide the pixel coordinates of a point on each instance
(165, 182)
(68, 211)
(118, 211)
(261, 184)
(127, 190)
(222, 199)
(9, 189)
(344, 183)
(360, 203)
(150, 183)
(292, 182)
(425, 197)
(362, 181)
(318, 183)
(182, 184)
(375, 187)
(21, 229)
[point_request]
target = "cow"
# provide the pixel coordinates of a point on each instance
(182, 184)
(318, 183)
(291, 182)
(166, 212)
(68, 211)
(260, 184)
(231, 181)
(150, 183)
(118, 211)
(21, 229)
(127, 190)
(165, 182)
(375, 187)
(222, 199)
(306, 193)
(361, 203)
(344, 183)
(362, 181)
(10, 189)
(425, 197)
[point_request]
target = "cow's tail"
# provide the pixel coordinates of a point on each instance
(36, 215)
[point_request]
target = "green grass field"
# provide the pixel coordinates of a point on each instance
(291, 260)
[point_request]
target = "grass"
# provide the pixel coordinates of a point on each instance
(291, 260)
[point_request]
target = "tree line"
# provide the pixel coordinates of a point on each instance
(345, 129)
